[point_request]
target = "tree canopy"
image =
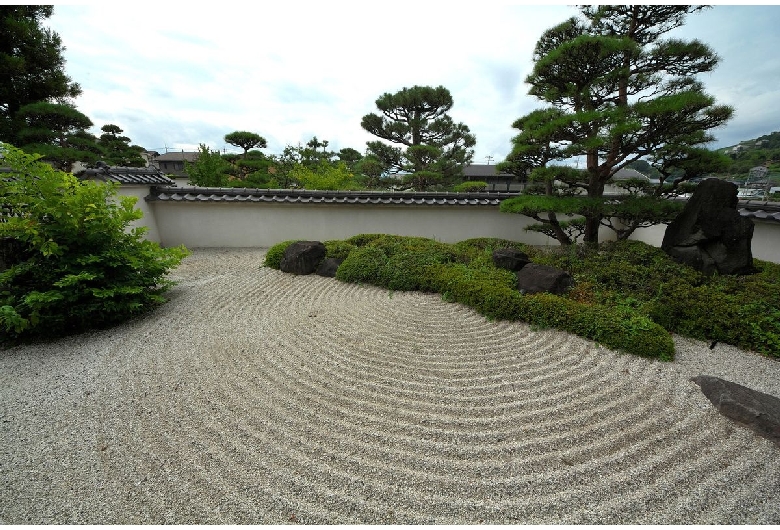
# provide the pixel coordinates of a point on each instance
(246, 140)
(116, 148)
(57, 132)
(209, 169)
(617, 92)
(430, 147)
(32, 67)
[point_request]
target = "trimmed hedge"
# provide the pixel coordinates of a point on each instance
(615, 328)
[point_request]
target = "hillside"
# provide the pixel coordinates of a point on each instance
(764, 150)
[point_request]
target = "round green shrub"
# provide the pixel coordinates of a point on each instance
(363, 265)
(77, 264)
(338, 249)
(471, 186)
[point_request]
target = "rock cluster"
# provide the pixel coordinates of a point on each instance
(531, 277)
(308, 257)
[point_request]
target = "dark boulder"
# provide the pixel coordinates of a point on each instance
(534, 278)
(328, 267)
(710, 235)
(756, 410)
(510, 259)
(302, 257)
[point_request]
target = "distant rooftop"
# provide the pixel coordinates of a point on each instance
(128, 175)
(176, 156)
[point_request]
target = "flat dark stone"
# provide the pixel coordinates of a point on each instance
(510, 259)
(756, 410)
(535, 278)
(328, 267)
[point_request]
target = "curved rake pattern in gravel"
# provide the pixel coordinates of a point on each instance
(309, 400)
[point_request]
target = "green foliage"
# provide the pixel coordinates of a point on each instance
(483, 247)
(324, 177)
(751, 153)
(116, 149)
(337, 249)
(363, 265)
(77, 265)
(617, 92)
(274, 255)
(209, 168)
(471, 186)
(738, 310)
(246, 140)
(735, 310)
(615, 328)
(314, 167)
(32, 66)
(58, 133)
(429, 146)
(395, 262)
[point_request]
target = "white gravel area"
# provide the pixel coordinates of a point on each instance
(255, 396)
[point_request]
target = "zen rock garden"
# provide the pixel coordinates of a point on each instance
(709, 235)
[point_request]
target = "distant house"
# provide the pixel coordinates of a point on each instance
(496, 181)
(150, 157)
(173, 163)
(624, 174)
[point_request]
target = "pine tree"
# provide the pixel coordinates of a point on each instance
(618, 91)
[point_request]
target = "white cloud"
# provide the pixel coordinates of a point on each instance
(177, 75)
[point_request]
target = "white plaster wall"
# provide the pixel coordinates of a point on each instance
(148, 220)
(262, 225)
(223, 224)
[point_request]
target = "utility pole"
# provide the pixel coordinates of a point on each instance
(489, 159)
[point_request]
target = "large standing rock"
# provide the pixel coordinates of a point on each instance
(510, 259)
(756, 410)
(710, 234)
(534, 278)
(302, 257)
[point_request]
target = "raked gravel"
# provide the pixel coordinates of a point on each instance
(259, 397)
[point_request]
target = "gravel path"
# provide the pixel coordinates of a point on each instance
(259, 397)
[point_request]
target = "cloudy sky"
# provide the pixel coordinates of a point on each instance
(174, 75)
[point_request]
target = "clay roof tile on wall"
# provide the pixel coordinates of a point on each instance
(327, 197)
(763, 211)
